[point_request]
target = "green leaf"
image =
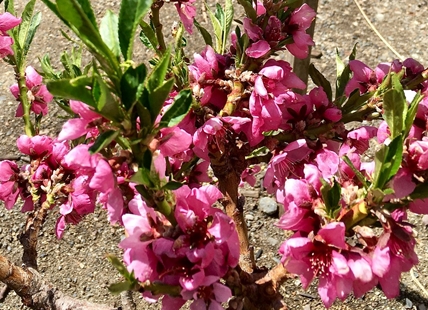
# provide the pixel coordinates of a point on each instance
(172, 185)
(331, 196)
(259, 152)
(148, 35)
(395, 107)
(178, 109)
(131, 13)
(117, 288)
(78, 20)
(117, 264)
(228, 18)
(103, 140)
(52, 6)
(158, 96)
(77, 89)
(142, 176)
(217, 26)
(35, 22)
(387, 162)
(411, 113)
(24, 26)
(343, 74)
(109, 30)
(205, 34)
(86, 7)
(106, 105)
(131, 84)
(249, 9)
(319, 80)
(157, 77)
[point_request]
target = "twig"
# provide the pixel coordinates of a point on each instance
(37, 293)
(127, 301)
(412, 274)
(377, 32)
(30, 235)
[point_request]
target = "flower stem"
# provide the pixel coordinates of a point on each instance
(23, 98)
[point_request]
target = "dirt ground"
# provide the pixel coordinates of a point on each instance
(77, 264)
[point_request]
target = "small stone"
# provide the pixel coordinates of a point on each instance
(259, 253)
(249, 217)
(307, 307)
(409, 304)
(250, 193)
(422, 307)
(272, 241)
(268, 205)
(380, 17)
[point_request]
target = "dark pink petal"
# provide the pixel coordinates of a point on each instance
(258, 49)
(253, 31)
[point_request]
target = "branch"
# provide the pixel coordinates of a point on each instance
(37, 293)
(29, 237)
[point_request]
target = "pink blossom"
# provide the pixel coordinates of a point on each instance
(38, 93)
(187, 12)
(77, 127)
(211, 132)
(284, 164)
(364, 78)
(300, 20)
(173, 140)
(7, 22)
(9, 187)
(321, 258)
(249, 175)
(328, 163)
(35, 147)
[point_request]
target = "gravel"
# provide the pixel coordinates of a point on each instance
(77, 264)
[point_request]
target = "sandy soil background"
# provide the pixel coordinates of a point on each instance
(77, 263)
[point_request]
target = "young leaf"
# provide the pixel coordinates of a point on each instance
(395, 107)
(131, 13)
(148, 35)
(24, 27)
(158, 97)
(331, 196)
(78, 20)
(103, 140)
(109, 30)
(217, 26)
(117, 288)
(178, 110)
(319, 80)
(131, 84)
(106, 105)
(249, 9)
(86, 7)
(157, 77)
(77, 89)
(142, 176)
(411, 113)
(228, 18)
(205, 34)
(172, 185)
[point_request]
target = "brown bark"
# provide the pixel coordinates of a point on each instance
(37, 293)
(30, 235)
(228, 175)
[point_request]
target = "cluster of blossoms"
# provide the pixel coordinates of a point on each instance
(194, 254)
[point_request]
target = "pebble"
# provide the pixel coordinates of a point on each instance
(307, 307)
(249, 217)
(409, 304)
(268, 205)
(422, 307)
(272, 241)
